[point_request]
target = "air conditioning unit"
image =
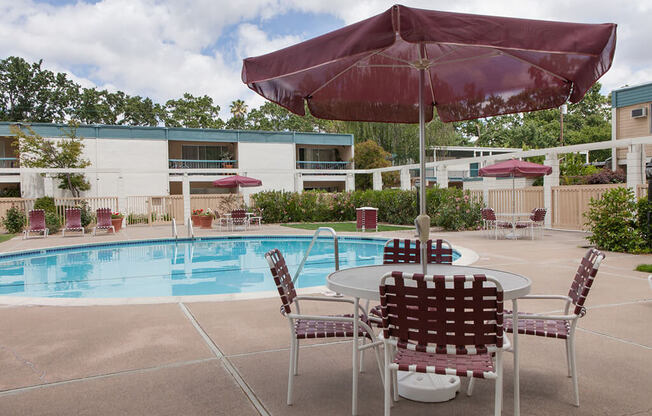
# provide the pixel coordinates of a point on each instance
(639, 112)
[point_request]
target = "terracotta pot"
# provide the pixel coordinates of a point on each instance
(117, 223)
(196, 220)
(206, 221)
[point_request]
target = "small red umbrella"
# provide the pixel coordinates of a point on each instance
(515, 168)
(233, 181)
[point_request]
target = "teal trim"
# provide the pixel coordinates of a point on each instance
(473, 169)
(8, 158)
(184, 134)
(631, 96)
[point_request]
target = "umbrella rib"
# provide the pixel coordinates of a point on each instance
(501, 48)
(324, 85)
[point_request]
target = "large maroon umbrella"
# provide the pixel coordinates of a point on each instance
(401, 64)
(515, 168)
(233, 181)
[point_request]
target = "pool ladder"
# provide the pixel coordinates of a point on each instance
(312, 243)
(191, 231)
(174, 229)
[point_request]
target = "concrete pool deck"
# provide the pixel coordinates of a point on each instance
(230, 358)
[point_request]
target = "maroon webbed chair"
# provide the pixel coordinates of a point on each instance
(73, 221)
(398, 251)
(450, 325)
(536, 221)
(36, 223)
(563, 326)
(304, 326)
(490, 224)
(239, 218)
(104, 220)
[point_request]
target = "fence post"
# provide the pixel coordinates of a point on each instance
(377, 181)
(149, 211)
(442, 176)
(548, 182)
(635, 166)
(405, 179)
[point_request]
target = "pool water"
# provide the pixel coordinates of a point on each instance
(169, 268)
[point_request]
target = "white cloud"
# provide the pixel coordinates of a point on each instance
(157, 47)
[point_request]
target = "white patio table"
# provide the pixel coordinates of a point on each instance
(363, 283)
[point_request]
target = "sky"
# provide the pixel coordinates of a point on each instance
(164, 48)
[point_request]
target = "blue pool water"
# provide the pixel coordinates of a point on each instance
(169, 268)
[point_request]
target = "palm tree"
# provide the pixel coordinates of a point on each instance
(239, 108)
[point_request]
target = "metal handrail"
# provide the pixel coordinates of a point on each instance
(174, 229)
(312, 243)
(191, 231)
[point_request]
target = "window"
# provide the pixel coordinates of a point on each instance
(204, 152)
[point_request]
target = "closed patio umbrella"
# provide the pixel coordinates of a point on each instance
(399, 65)
(515, 168)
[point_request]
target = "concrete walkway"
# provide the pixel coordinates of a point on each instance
(230, 358)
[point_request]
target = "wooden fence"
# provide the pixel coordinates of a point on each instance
(526, 199)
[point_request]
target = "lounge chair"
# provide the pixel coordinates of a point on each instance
(36, 223)
(104, 221)
(73, 221)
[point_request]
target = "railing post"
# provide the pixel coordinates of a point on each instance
(548, 182)
(149, 211)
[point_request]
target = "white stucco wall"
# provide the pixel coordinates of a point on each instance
(272, 163)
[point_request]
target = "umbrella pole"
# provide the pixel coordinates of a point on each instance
(422, 221)
(513, 207)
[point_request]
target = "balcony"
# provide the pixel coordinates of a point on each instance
(202, 164)
(321, 165)
(8, 162)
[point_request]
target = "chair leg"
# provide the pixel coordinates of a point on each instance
(394, 380)
(388, 377)
(364, 341)
(568, 360)
(498, 405)
(296, 357)
(469, 389)
(291, 368)
(379, 361)
(573, 366)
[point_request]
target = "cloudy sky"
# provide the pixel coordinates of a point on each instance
(163, 48)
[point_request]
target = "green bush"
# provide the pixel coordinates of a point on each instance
(449, 208)
(45, 203)
(614, 223)
(87, 215)
(15, 219)
(52, 222)
(642, 210)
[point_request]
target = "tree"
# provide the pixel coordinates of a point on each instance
(35, 151)
(369, 155)
(273, 117)
(192, 112)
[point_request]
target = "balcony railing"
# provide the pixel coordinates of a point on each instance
(202, 164)
(323, 165)
(8, 162)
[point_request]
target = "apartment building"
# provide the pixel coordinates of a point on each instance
(135, 161)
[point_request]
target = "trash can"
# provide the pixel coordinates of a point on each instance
(366, 218)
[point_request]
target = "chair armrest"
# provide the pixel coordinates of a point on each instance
(560, 297)
(544, 317)
(324, 299)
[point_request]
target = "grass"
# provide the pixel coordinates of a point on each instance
(5, 237)
(343, 226)
(647, 268)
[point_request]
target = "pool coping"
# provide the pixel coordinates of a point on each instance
(467, 257)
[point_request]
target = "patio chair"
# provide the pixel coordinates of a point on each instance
(239, 218)
(563, 326)
(36, 223)
(449, 325)
(103, 220)
(73, 221)
(491, 223)
(536, 221)
(409, 251)
(304, 326)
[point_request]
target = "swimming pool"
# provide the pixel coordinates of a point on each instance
(159, 268)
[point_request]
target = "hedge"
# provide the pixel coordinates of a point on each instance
(450, 208)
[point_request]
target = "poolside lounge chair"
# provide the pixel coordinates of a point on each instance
(36, 224)
(311, 326)
(562, 326)
(73, 221)
(422, 336)
(104, 220)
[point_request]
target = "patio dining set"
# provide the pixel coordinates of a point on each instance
(526, 224)
(447, 323)
(238, 218)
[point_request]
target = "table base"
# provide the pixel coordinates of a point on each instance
(428, 388)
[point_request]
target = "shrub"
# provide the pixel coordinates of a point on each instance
(10, 193)
(87, 215)
(642, 212)
(45, 203)
(15, 219)
(52, 222)
(613, 221)
(607, 175)
(449, 208)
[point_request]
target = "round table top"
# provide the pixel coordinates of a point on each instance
(363, 282)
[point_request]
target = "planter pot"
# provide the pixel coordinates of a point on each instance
(206, 221)
(196, 220)
(117, 223)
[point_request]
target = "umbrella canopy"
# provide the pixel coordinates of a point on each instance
(237, 180)
(476, 66)
(516, 168)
